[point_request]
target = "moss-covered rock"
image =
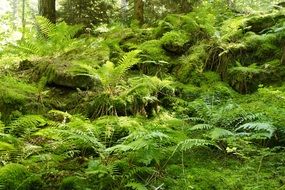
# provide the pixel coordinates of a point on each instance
(175, 42)
(192, 64)
(259, 23)
(153, 51)
(246, 79)
(67, 74)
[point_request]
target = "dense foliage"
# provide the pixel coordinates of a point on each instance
(195, 100)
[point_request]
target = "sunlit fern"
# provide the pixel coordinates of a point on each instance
(51, 39)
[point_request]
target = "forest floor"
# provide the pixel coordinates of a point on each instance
(197, 102)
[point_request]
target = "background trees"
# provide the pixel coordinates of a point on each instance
(47, 9)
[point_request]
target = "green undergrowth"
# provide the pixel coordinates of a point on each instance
(195, 102)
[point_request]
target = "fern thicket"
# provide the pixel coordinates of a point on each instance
(231, 128)
(51, 39)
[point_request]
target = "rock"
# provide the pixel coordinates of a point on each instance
(25, 65)
(75, 81)
(175, 42)
(67, 74)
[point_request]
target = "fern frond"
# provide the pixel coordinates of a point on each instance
(6, 146)
(247, 117)
(29, 47)
(139, 170)
(26, 124)
(219, 133)
(201, 127)
(192, 143)
(267, 128)
(196, 119)
(126, 62)
(119, 148)
(45, 25)
(136, 186)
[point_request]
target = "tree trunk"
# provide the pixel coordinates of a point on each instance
(47, 9)
(23, 18)
(124, 10)
(15, 12)
(139, 10)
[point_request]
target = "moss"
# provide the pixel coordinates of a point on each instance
(175, 42)
(242, 78)
(72, 183)
(259, 23)
(65, 73)
(261, 46)
(188, 92)
(153, 51)
(232, 29)
(192, 63)
(15, 95)
(16, 176)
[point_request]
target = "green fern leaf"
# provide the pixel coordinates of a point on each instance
(267, 129)
(45, 25)
(201, 127)
(192, 143)
(219, 133)
(126, 62)
(6, 146)
(136, 186)
(26, 124)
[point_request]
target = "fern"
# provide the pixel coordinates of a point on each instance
(201, 127)
(194, 143)
(111, 75)
(15, 92)
(45, 25)
(219, 133)
(25, 125)
(6, 147)
(52, 39)
(265, 130)
(136, 186)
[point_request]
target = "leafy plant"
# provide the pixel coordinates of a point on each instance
(52, 39)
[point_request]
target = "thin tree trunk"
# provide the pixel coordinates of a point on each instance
(139, 11)
(23, 18)
(47, 9)
(15, 11)
(124, 10)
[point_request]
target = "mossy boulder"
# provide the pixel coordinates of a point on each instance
(152, 50)
(67, 74)
(175, 42)
(259, 23)
(192, 64)
(246, 79)
(16, 176)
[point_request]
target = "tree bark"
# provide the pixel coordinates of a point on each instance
(15, 12)
(23, 18)
(47, 9)
(139, 11)
(124, 10)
